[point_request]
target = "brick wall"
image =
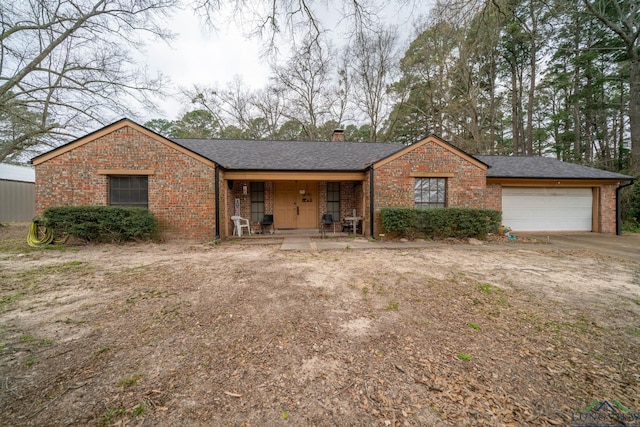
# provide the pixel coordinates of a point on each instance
(394, 186)
(236, 192)
(181, 190)
(351, 198)
(493, 197)
(607, 209)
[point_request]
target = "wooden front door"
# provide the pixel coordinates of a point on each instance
(295, 204)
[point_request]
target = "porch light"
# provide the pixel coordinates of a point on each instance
(303, 191)
(245, 189)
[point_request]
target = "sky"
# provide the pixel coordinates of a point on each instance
(205, 57)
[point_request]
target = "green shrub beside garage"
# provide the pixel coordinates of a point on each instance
(441, 222)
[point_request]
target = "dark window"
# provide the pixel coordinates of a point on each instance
(333, 200)
(129, 191)
(430, 193)
(257, 201)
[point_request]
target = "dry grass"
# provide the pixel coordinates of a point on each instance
(180, 334)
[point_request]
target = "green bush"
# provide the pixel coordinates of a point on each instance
(441, 222)
(398, 219)
(102, 223)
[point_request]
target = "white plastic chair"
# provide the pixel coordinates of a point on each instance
(239, 223)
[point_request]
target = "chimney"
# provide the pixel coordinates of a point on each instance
(338, 135)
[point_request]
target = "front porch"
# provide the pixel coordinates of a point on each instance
(297, 205)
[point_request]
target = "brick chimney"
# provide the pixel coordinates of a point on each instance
(338, 135)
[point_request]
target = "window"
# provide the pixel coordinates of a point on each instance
(430, 193)
(333, 200)
(129, 191)
(257, 201)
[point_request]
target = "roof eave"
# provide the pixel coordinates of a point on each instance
(586, 178)
(232, 169)
(111, 128)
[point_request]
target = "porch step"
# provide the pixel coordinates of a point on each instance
(297, 243)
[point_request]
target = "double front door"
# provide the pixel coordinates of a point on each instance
(296, 204)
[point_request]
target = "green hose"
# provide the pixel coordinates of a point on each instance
(40, 235)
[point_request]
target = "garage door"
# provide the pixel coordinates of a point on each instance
(547, 209)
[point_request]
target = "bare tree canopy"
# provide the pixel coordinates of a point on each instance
(67, 65)
(64, 63)
(373, 62)
(268, 19)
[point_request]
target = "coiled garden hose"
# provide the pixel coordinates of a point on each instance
(40, 235)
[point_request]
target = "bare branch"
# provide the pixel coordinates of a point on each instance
(64, 63)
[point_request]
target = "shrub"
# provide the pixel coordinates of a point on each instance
(398, 219)
(102, 223)
(441, 222)
(631, 208)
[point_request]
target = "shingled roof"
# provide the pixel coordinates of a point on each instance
(356, 156)
(337, 156)
(542, 167)
(290, 155)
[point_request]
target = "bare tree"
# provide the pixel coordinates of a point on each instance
(294, 19)
(256, 114)
(342, 92)
(270, 103)
(373, 67)
(64, 63)
(229, 106)
(306, 82)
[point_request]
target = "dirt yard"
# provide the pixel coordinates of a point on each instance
(191, 334)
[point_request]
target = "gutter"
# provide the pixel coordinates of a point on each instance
(371, 203)
(217, 203)
(618, 212)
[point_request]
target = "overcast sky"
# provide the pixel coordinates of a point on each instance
(204, 57)
(199, 56)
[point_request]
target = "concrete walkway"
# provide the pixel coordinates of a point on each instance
(305, 243)
(626, 246)
(296, 243)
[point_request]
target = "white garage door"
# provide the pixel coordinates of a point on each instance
(547, 209)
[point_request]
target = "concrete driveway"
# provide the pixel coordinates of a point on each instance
(625, 246)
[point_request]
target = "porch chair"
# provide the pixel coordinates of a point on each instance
(347, 226)
(327, 219)
(239, 223)
(267, 222)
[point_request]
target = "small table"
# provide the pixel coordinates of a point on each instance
(354, 222)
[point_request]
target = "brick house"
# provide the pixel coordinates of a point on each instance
(194, 186)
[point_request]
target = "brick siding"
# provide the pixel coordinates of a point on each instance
(493, 197)
(181, 190)
(395, 188)
(607, 209)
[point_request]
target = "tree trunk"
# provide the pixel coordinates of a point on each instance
(515, 113)
(533, 62)
(620, 142)
(634, 110)
(493, 107)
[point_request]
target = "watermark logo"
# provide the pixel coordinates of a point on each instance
(605, 414)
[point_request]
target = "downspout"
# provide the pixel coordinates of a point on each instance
(618, 212)
(217, 196)
(371, 203)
